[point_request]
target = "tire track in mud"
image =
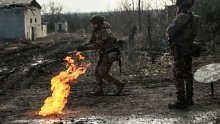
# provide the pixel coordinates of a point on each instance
(20, 66)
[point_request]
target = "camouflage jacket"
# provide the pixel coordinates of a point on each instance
(101, 39)
(179, 23)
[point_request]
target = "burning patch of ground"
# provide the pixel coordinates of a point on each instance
(25, 76)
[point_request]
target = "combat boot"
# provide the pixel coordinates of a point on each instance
(120, 87)
(189, 91)
(189, 101)
(98, 91)
(179, 104)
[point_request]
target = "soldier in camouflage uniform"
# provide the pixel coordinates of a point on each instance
(180, 34)
(103, 40)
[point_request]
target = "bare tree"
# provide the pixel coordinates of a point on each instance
(139, 15)
(149, 38)
(59, 9)
(173, 1)
(133, 5)
(55, 10)
(52, 9)
(44, 9)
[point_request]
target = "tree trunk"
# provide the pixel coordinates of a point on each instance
(139, 15)
(152, 54)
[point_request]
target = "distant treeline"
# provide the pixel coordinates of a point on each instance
(126, 20)
(124, 17)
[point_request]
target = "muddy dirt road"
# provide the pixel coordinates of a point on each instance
(26, 71)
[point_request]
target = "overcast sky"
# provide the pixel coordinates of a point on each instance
(96, 5)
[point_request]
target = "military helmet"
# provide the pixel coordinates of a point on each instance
(185, 3)
(97, 19)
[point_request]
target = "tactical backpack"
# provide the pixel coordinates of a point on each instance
(194, 21)
(117, 44)
(196, 48)
(195, 25)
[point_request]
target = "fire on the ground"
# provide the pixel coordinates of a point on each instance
(60, 86)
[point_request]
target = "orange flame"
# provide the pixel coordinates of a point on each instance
(80, 56)
(60, 87)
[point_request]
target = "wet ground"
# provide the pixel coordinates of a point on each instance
(26, 71)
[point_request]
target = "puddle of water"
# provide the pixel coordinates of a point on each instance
(39, 60)
(11, 48)
(37, 63)
(35, 121)
(148, 119)
(73, 121)
(200, 117)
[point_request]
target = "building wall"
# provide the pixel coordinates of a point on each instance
(61, 27)
(33, 27)
(12, 23)
(44, 30)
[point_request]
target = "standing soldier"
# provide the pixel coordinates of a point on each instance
(181, 33)
(103, 40)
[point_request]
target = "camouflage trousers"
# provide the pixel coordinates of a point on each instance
(183, 74)
(103, 67)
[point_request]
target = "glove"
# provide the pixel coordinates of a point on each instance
(81, 48)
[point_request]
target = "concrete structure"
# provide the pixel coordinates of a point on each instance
(44, 29)
(21, 19)
(61, 26)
